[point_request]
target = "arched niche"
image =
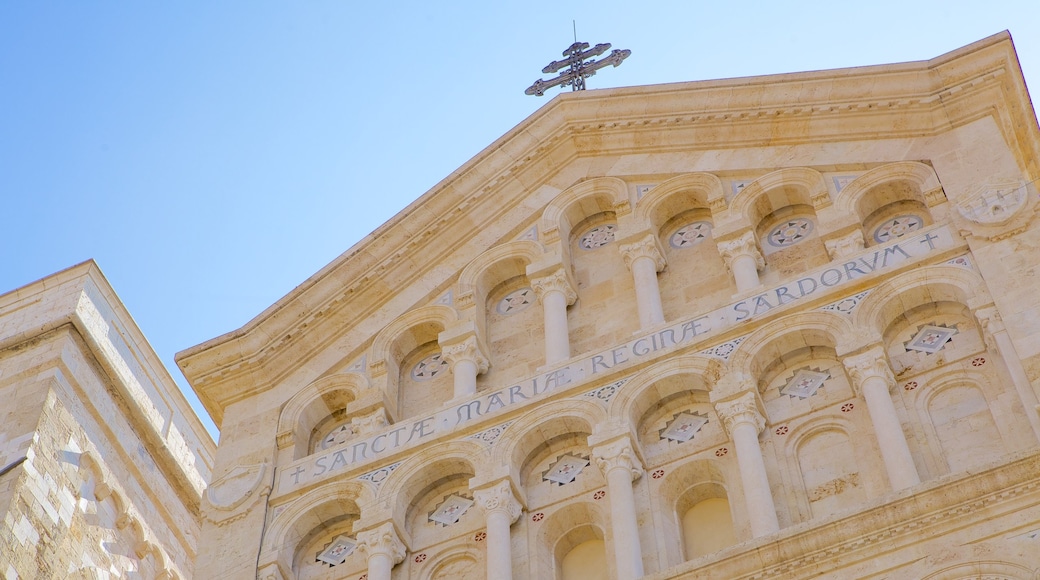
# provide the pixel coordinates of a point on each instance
(881, 186)
(320, 406)
(575, 525)
(831, 470)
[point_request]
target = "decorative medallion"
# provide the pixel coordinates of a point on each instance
(781, 430)
(804, 383)
(657, 474)
(847, 407)
(598, 237)
(337, 551)
(721, 451)
(725, 349)
(684, 426)
(790, 232)
(420, 558)
(690, 235)
(429, 367)
(962, 261)
(910, 386)
(339, 435)
(378, 476)
(599, 495)
(480, 536)
(607, 392)
(897, 227)
(538, 517)
(489, 436)
(450, 510)
(846, 305)
(516, 301)
(978, 361)
(931, 339)
(566, 469)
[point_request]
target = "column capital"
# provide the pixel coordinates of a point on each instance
(845, 246)
(556, 280)
(646, 246)
(499, 497)
(618, 454)
(370, 423)
(743, 245)
(465, 348)
(869, 364)
(742, 409)
(381, 540)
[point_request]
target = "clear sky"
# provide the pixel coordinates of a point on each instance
(213, 155)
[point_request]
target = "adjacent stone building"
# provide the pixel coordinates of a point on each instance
(102, 461)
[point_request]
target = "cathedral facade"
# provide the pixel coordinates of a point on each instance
(771, 327)
(777, 327)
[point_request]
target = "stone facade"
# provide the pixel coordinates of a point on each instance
(102, 462)
(778, 327)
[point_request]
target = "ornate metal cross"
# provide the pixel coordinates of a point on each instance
(577, 54)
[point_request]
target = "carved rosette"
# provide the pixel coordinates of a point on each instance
(466, 349)
(618, 455)
(370, 423)
(381, 540)
(646, 247)
(498, 498)
(872, 364)
(846, 245)
(745, 245)
(555, 282)
(743, 409)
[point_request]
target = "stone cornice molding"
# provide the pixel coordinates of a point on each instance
(870, 364)
(646, 247)
(556, 281)
(743, 409)
(744, 245)
(846, 245)
(618, 454)
(382, 540)
(499, 498)
(333, 307)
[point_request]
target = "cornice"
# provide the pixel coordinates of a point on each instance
(354, 292)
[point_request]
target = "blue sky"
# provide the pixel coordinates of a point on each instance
(212, 156)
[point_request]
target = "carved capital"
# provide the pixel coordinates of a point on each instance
(381, 540)
(846, 245)
(745, 245)
(466, 349)
(934, 197)
(645, 247)
(872, 364)
(498, 498)
(991, 323)
(366, 424)
(743, 409)
(555, 282)
(377, 368)
(618, 455)
(465, 300)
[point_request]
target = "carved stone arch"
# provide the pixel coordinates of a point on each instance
(640, 393)
(408, 331)
(903, 292)
(415, 476)
(800, 185)
(317, 402)
(853, 200)
(305, 516)
(442, 562)
(564, 529)
(803, 329)
(1006, 559)
(489, 269)
(587, 198)
(524, 436)
(677, 195)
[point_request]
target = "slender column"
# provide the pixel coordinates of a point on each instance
(621, 467)
(998, 339)
(467, 361)
(383, 549)
(744, 260)
(556, 293)
(873, 377)
(645, 259)
(501, 510)
(744, 422)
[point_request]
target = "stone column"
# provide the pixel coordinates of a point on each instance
(645, 259)
(872, 376)
(997, 338)
(744, 422)
(621, 467)
(555, 292)
(501, 510)
(383, 549)
(467, 361)
(744, 260)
